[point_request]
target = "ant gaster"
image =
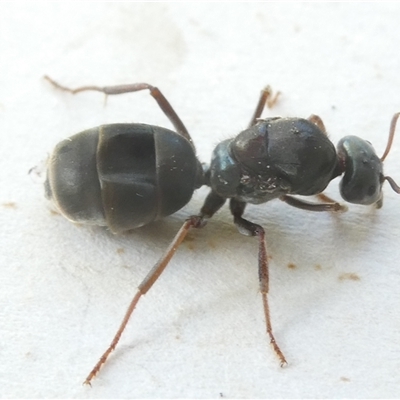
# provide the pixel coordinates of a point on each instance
(124, 176)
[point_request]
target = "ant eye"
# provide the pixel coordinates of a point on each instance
(371, 190)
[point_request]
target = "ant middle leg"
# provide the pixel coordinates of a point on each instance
(267, 98)
(316, 120)
(251, 229)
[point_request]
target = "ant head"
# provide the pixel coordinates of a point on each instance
(363, 169)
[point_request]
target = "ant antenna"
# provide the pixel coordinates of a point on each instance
(392, 129)
(391, 135)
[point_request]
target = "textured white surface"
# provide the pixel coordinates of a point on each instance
(200, 331)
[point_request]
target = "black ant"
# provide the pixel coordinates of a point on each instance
(124, 176)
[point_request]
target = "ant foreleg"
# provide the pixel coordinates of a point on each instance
(305, 205)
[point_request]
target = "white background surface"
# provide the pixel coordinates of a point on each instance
(200, 331)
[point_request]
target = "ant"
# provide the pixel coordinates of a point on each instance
(127, 175)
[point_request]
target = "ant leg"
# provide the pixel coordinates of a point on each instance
(265, 98)
(325, 199)
(250, 229)
(144, 287)
(305, 205)
(135, 87)
(211, 205)
(316, 120)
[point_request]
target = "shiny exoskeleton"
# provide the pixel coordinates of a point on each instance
(127, 175)
(122, 175)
